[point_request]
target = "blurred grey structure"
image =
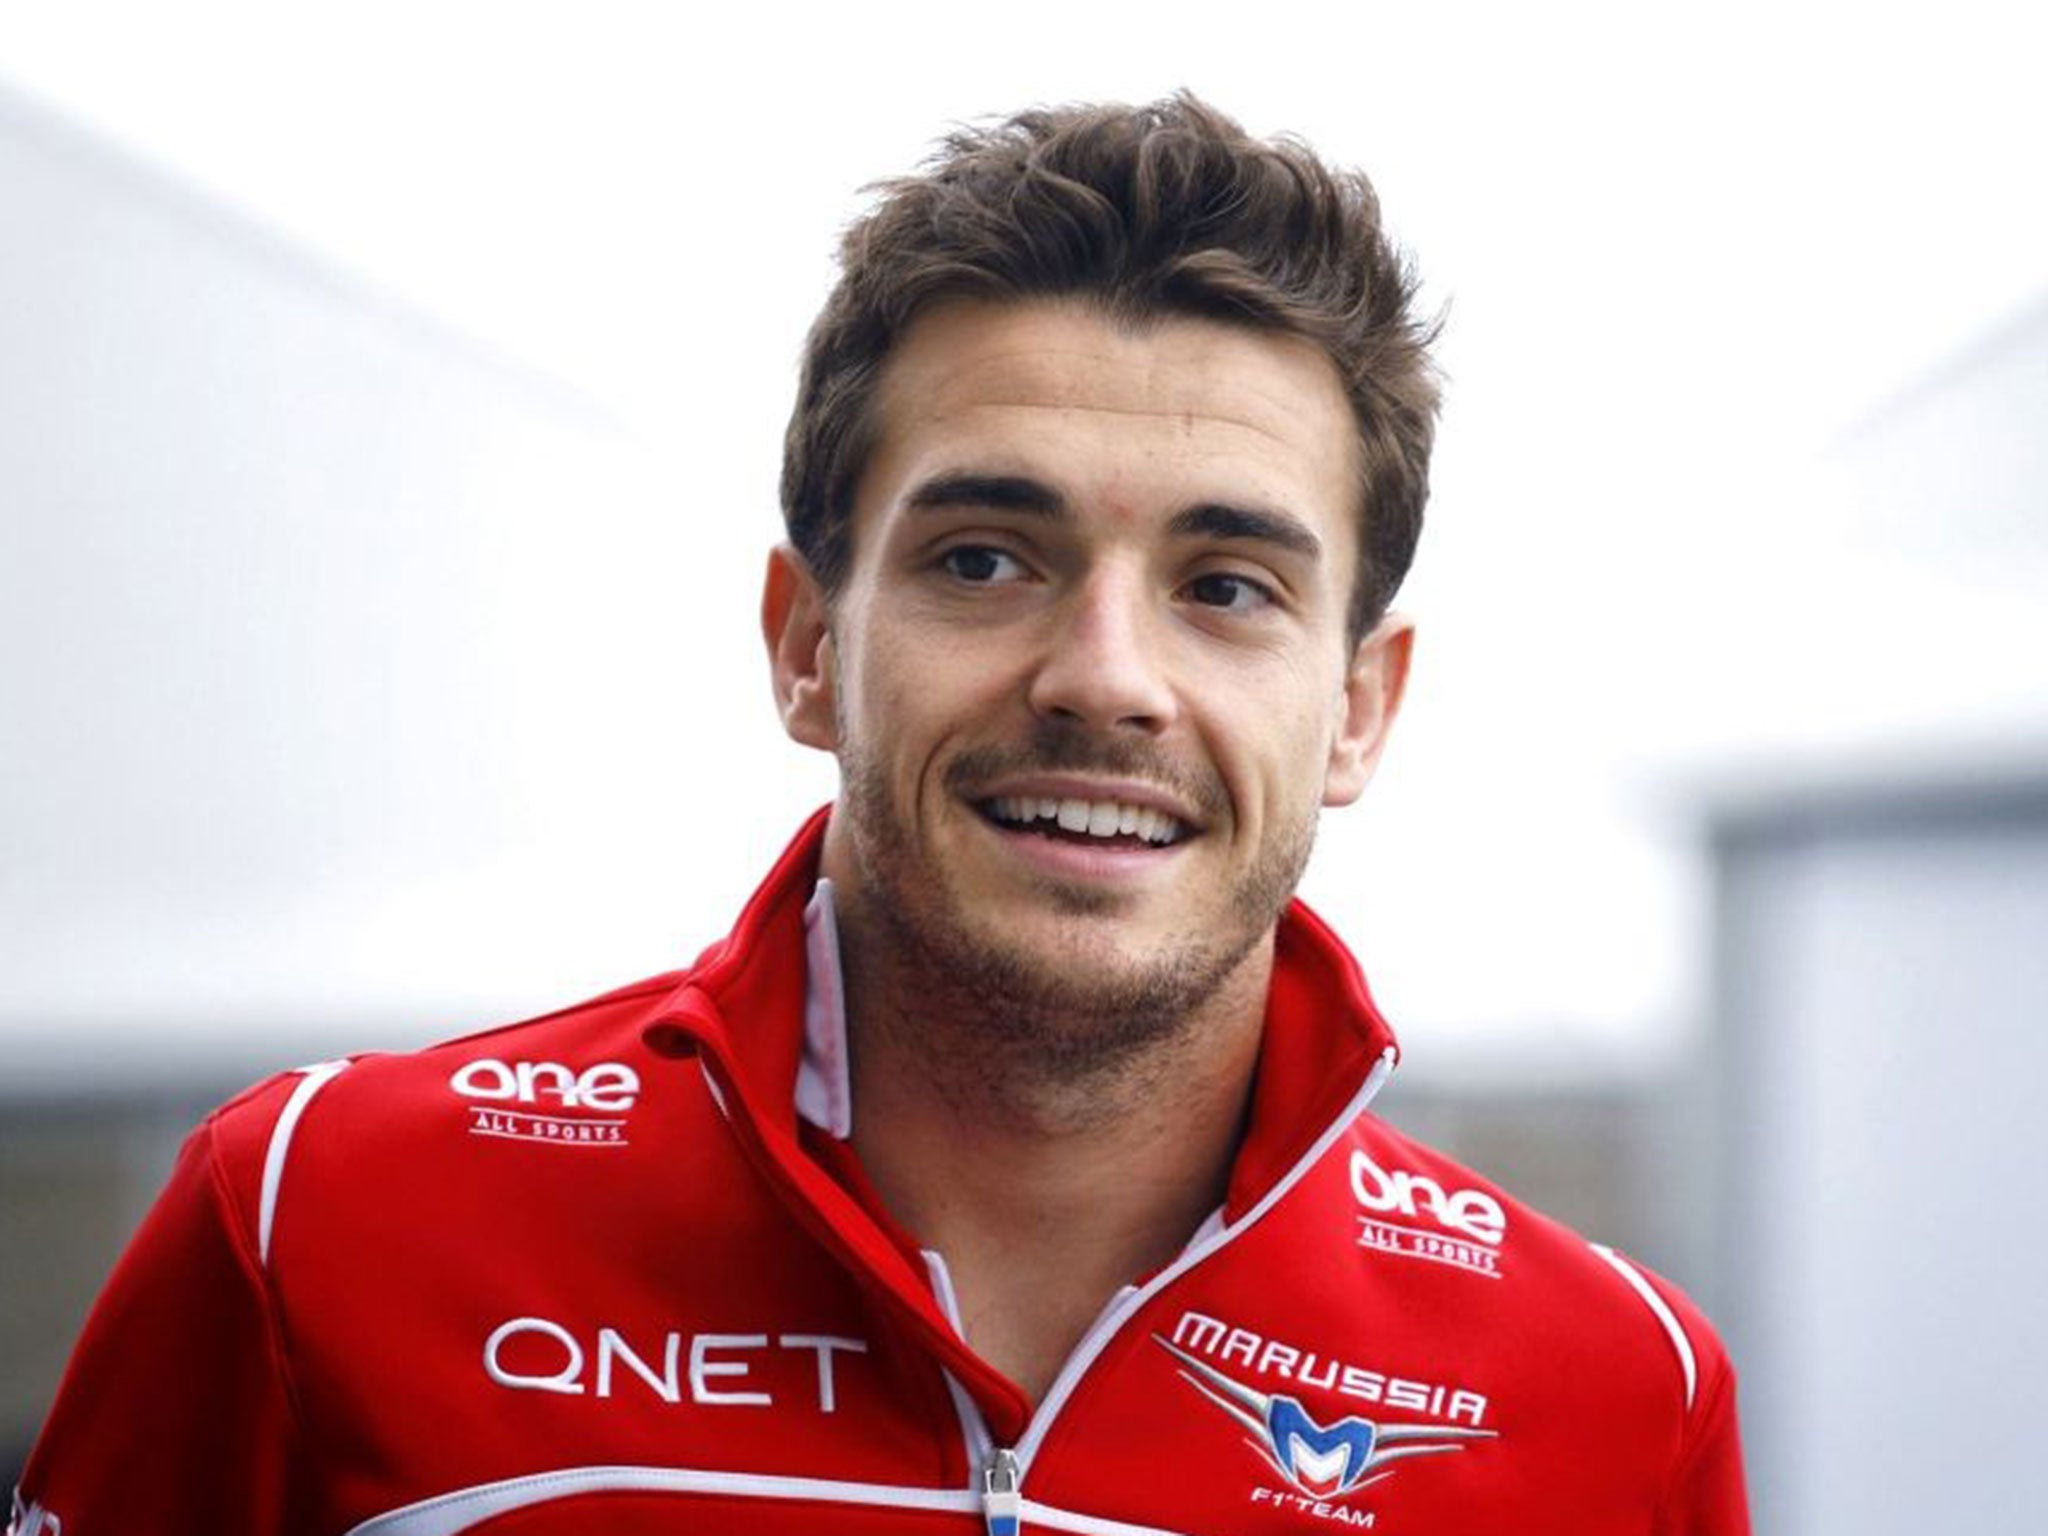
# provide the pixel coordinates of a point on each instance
(1884, 992)
(233, 488)
(1881, 1020)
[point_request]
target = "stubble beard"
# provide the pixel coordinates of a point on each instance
(994, 1021)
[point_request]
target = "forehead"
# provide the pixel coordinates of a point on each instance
(1107, 411)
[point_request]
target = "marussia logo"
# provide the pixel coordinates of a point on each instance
(1323, 1461)
(584, 1108)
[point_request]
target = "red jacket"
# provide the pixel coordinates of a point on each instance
(596, 1271)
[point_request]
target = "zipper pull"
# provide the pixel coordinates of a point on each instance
(1001, 1503)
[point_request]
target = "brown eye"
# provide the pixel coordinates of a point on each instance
(1221, 589)
(979, 565)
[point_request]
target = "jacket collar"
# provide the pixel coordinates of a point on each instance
(767, 1002)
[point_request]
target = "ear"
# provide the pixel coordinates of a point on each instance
(1365, 714)
(800, 654)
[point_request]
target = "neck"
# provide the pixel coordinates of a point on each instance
(1048, 1178)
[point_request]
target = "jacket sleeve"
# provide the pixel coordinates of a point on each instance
(175, 1413)
(1707, 1496)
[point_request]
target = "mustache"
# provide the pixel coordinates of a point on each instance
(1061, 745)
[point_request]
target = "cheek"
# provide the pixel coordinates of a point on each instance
(867, 673)
(1278, 760)
(909, 705)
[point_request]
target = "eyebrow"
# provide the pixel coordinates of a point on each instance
(997, 493)
(1034, 498)
(1217, 520)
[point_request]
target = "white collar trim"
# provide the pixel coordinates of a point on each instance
(824, 1084)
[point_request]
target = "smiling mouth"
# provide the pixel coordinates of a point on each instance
(1110, 822)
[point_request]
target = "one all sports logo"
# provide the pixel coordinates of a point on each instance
(1462, 1227)
(546, 1101)
(1321, 1461)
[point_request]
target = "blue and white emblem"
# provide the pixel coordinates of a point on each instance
(1323, 1461)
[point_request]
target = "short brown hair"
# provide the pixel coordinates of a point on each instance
(1166, 209)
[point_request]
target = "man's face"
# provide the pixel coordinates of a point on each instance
(1087, 677)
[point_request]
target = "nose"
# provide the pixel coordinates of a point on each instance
(1103, 663)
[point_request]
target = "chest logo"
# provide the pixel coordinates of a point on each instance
(1413, 1215)
(1321, 1462)
(546, 1101)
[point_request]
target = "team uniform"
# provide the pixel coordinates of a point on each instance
(617, 1268)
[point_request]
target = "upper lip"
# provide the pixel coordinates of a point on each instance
(1059, 786)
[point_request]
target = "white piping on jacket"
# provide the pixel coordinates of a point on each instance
(1655, 1303)
(449, 1514)
(311, 1080)
(974, 1432)
(1087, 1525)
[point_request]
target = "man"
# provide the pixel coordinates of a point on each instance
(1009, 1163)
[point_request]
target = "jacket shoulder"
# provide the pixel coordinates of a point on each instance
(587, 1054)
(1587, 1300)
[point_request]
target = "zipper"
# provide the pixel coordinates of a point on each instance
(1127, 1301)
(1002, 1503)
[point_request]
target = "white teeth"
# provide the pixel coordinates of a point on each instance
(1095, 818)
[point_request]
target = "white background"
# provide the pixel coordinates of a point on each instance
(1683, 250)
